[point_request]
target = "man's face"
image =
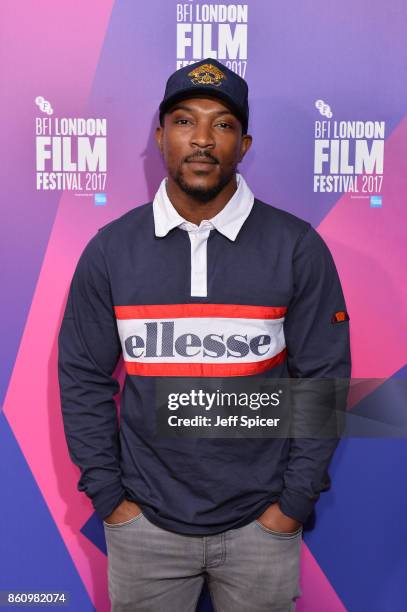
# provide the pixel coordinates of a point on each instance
(202, 143)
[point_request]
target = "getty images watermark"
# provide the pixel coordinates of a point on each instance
(264, 407)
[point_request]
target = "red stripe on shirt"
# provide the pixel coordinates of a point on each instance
(178, 311)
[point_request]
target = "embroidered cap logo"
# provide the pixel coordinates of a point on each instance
(207, 74)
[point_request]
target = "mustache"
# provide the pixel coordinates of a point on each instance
(199, 155)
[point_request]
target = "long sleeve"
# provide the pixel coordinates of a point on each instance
(318, 346)
(89, 349)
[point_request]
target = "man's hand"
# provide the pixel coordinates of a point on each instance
(123, 512)
(273, 518)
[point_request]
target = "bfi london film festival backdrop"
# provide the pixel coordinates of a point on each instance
(81, 86)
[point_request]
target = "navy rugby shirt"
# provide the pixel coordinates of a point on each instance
(253, 290)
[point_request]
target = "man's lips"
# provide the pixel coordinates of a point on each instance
(201, 161)
(201, 166)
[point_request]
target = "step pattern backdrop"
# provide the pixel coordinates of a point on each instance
(82, 81)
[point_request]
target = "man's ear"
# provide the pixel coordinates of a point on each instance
(245, 145)
(159, 137)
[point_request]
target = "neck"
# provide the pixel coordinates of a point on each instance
(194, 210)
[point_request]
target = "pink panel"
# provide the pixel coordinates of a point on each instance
(370, 249)
(318, 594)
(32, 401)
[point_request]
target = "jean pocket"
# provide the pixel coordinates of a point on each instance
(124, 523)
(281, 535)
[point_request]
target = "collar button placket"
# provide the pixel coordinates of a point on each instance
(199, 239)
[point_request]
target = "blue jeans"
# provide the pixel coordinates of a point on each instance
(248, 569)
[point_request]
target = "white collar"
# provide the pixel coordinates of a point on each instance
(228, 221)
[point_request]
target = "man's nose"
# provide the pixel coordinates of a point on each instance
(202, 136)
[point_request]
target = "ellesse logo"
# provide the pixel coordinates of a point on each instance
(201, 339)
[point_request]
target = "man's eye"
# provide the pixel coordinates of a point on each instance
(182, 121)
(224, 125)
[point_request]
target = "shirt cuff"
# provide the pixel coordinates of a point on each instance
(296, 505)
(108, 498)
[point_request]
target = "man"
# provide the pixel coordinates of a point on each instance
(205, 281)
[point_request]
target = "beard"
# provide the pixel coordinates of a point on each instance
(201, 193)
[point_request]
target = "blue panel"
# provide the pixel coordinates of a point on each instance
(94, 531)
(360, 539)
(33, 555)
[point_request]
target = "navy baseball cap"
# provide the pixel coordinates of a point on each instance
(210, 78)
